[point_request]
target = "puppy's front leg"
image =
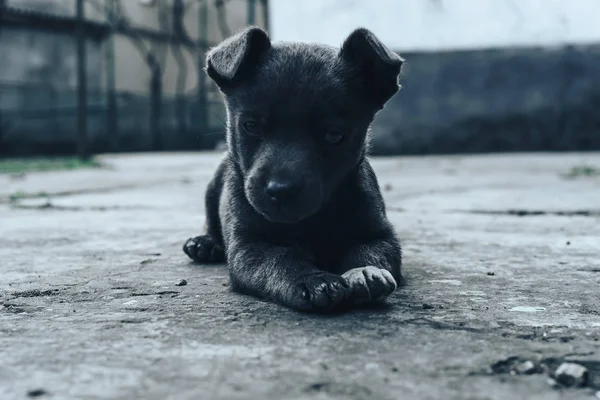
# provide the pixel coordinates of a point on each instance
(372, 269)
(285, 275)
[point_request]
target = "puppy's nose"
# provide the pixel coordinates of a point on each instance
(282, 190)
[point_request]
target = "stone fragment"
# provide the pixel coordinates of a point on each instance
(571, 374)
(526, 368)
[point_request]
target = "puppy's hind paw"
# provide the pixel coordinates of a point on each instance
(204, 249)
(370, 284)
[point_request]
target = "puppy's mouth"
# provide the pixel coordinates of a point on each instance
(283, 218)
(281, 213)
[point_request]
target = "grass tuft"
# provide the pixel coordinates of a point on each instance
(36, 164)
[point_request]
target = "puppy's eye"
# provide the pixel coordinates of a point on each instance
(251, 128)
(333, 137)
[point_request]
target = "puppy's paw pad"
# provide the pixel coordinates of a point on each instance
(370, 284)
(204, 249)
(321, 292)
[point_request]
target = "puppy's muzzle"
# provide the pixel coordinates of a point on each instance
(283, 197)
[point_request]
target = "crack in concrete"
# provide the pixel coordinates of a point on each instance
(36, 293)
(441, 326)
(20, 195)
(534, 213)
(15, 197)
(50, 206)
(160, 293)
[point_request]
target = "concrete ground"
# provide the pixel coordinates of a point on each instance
(502, 258)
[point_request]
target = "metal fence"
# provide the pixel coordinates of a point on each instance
(60, 103)
(35, 119)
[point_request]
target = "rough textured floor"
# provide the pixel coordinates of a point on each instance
(502, 258)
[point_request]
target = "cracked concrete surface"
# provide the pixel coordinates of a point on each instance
(502, 258)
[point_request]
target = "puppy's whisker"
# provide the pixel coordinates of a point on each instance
(211, 134)
(219, 118)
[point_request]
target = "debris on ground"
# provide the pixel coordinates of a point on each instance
(571, 375)
(552, 383)
(182, 282)
(560, 371)
(526, 368)
(36, 393)
(36, 293)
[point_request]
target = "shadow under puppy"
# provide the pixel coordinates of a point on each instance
(294, 208)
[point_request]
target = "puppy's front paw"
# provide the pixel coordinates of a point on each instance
(320, 293)
(204, 249)
(370, 284)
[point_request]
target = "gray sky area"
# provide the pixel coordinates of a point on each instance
(433, 25)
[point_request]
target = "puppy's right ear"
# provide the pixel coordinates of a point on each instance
(237, 57)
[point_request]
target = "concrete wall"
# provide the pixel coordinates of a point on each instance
(38, 66)
(36, 128)
(38, 102)
(45, 57)
(494, 100)
(38, 80)
(132, 73)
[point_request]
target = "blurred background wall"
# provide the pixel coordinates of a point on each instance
(480, 76)
(145, 87)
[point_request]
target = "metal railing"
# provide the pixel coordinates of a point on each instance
(39, 117)
(35, 118)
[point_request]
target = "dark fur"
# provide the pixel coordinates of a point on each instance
(308, 246)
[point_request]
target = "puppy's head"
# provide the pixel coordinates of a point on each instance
(298, 114)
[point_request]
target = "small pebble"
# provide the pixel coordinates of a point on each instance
(568, 243)
(526, 368)
(427, 306)
(491, 273)
(371, 366)
(571, 374)
(36, 393)
(552, 383)
(182, 282)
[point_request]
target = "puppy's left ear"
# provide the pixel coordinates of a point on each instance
(378, 66)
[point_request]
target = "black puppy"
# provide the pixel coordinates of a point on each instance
(295, 208)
